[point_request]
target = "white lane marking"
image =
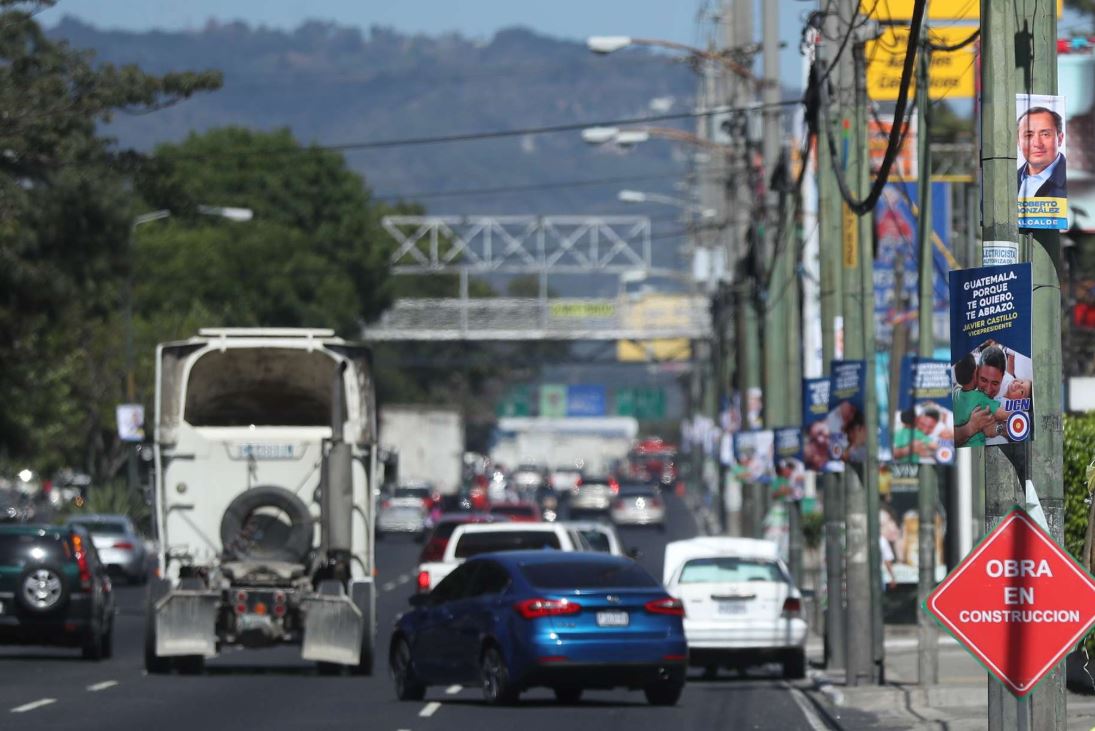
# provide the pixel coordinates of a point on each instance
(102, 686)
(430, 709)
(388, 587)
(454, 689)
(404, 578)
(807, 710)
(33, 704)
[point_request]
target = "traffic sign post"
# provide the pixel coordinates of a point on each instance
(1018, 603)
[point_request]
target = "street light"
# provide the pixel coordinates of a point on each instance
(638, 196)
(603, 45)
(637, 135)
(232, 214)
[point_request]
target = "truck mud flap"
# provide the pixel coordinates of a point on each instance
(186, 624)
(332, 630)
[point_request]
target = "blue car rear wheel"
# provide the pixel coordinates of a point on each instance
(407, 686)
(498, 688)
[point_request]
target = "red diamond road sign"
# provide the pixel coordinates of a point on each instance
(1018, 602)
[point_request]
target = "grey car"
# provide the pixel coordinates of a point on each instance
(120, 547)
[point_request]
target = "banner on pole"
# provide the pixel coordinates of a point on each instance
(846, 420)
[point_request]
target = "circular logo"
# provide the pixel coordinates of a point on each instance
(1018, 426)
(944, 454)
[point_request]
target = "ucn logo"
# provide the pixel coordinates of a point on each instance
(1018, 426)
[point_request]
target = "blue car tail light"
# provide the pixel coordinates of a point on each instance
(668, 605)
(536, 608)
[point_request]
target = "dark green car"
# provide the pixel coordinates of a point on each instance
(54, 590)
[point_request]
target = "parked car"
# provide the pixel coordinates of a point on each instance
(519, 512)
(54, 590)
(742, 606)
(120, 547)
(638, 503)
(593, 495)
(567, 621)
(600, 536)
(472, 540)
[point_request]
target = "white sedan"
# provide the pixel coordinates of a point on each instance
(741, 606)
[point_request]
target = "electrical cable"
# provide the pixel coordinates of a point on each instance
(957, 46)
(861, 207)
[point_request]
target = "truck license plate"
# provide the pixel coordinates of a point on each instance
(612, 619)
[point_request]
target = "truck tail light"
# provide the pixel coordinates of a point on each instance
(535, 608)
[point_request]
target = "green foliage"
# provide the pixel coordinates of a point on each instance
(115, 498)
(64, 207)
(1079, 450)
(813, 527)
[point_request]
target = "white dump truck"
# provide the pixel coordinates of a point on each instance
(427, 443)
(265, 457)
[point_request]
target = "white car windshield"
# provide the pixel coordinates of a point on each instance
(729, 570)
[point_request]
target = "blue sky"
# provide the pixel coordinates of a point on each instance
(575, 19)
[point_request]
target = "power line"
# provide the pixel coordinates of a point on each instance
(553, 185)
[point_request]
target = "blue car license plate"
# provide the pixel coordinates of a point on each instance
(612, 619)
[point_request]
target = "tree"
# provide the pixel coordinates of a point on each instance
(64, 207)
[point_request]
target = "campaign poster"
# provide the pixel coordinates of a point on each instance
(1041, 176)
(130, 419)
(923, 423)
(847, 420)
(899, 523)
(790, 472)
(991, 370)
(815, 426)
(753, 452)
(754, 408)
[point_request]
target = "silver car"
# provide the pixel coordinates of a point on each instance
(121, 549)
(406, 510)
(593, 495)
(638, 503)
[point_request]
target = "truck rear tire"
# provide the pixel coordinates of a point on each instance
(248, 534)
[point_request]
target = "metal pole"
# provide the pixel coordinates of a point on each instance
(927, 633)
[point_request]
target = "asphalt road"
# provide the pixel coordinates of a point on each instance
(43, 688)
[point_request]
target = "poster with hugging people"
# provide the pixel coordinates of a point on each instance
(991, 370)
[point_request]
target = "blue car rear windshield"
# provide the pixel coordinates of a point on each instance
(587, 575)
(472, 544)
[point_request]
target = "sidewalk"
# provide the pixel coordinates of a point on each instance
(957, 702)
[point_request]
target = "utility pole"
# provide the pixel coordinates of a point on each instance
(1019, 46)
(858, 482)
(832, 487)
(927, 633)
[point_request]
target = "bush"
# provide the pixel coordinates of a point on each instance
(1079, 452)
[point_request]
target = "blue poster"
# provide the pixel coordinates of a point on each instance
(896, 222)
(586, 400)
(923, 424)
(815, 426)
(847, 420)
(992, 373)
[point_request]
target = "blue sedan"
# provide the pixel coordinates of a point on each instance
(519, 619)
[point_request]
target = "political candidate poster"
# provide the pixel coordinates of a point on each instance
(789, 482)
(923, 423)
(753, 452)
(1041, 175)
(992, 374)
(815, 426)
(847, 420)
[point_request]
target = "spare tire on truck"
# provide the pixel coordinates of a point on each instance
(267, 523)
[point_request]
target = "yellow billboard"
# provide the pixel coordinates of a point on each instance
(653, 351)
(885, 10)
(951, 73)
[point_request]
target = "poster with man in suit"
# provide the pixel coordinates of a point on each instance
(1042, 166)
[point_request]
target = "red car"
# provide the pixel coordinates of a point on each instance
(518, 512)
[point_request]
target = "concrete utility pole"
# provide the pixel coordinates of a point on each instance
(927, 632)
(858, 480)
(739, 35)
(1020, 56)
(832, 487)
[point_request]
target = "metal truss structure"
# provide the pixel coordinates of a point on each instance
(519, 244)
(543, 245)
